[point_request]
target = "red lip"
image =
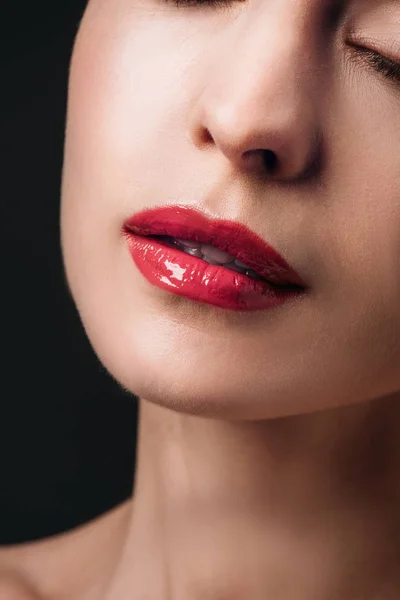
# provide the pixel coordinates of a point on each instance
(183, 274)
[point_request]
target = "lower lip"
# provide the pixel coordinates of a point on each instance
(184, 275)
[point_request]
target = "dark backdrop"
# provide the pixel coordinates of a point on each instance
(67, 431)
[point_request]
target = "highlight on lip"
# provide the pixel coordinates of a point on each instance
(167, 264)
(236, 239)
(209, 254)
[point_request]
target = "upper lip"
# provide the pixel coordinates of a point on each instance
(235, 238)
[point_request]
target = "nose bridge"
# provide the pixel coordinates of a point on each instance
(266, 79)
(258, 95)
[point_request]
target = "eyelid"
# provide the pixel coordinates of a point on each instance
(388, 68)
(389, 48)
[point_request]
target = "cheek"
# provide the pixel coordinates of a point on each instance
(127, 96)
(362, 237)
(126, 128)
(125, 139)
(362, 175)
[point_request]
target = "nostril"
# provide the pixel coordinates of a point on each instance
(262, 159)
(270, 160)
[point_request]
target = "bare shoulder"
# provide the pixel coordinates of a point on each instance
(69, 565)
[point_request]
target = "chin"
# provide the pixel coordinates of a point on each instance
(177, 385)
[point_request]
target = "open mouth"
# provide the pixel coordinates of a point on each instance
(262, 278)
(214, 256)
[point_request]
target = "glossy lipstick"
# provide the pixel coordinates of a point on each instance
(173, 270)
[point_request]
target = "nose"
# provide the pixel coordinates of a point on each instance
(258, 104)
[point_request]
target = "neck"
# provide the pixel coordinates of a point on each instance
(301, 507)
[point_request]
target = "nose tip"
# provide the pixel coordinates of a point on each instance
(286, 152)
(258, 111)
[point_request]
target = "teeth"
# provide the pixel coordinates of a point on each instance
(193, 252)
(188, 243)
(214, 256)
(239, 263)
(210, 261)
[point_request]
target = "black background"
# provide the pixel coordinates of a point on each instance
(67, 431)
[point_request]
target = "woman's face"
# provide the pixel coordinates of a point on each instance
(166, 105)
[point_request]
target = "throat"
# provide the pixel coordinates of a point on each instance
(278, 509)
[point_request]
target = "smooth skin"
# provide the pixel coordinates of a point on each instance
(269, 442)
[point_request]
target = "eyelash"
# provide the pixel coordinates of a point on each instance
(215, 3)
(382, 65)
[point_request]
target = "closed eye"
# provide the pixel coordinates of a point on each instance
(390, 69)
(215, 3)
